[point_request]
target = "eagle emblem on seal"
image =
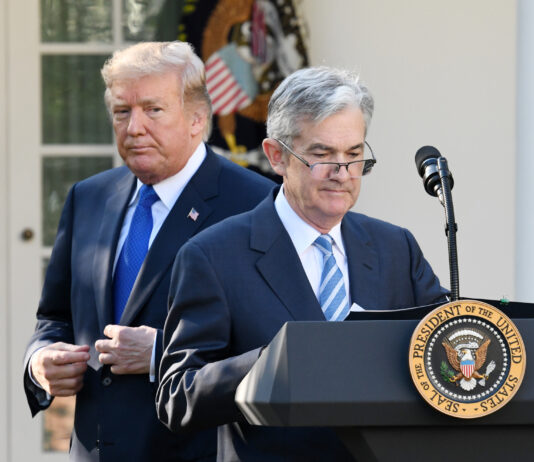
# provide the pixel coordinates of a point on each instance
(466, 352)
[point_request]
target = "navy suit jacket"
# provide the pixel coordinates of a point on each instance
(115, 414)
(254, 283)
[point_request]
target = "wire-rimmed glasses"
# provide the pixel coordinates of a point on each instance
(355, 169)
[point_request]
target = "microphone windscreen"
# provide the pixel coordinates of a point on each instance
(425, 153)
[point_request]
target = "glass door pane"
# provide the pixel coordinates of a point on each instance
(76, 21)
(73, 109)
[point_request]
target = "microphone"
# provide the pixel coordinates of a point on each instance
(437, 179)
(431, 166)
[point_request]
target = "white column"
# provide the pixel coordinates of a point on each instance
(524, 249)
(4, 316)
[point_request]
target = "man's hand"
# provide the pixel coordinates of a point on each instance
(129, 349)
(59, 368)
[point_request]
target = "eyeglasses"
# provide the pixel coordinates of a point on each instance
(322, 170)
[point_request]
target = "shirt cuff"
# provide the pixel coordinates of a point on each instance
(32, 378)
(152, 373)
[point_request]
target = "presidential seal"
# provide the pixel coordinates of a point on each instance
(467, 359)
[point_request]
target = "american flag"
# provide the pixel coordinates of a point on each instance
(193, 214)
(227, 95)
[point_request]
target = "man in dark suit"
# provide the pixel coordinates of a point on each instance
(104, 301)
(299, 255)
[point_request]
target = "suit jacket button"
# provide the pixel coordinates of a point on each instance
(106, 381)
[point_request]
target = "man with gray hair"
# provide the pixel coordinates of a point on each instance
(104, 300)
(299, 255)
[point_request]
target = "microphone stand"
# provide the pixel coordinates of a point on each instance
(451, 227)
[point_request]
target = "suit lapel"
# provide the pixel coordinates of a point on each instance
(104, 252)
(177, 228)
(362, 262)
(280, 265)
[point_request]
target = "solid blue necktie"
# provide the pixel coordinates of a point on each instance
(134, 249)
(332, 293)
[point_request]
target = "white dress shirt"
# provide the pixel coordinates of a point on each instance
(303, 236)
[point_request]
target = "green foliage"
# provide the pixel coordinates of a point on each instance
(446, 373)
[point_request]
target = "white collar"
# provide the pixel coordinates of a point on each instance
(301, 233)
(169, 189)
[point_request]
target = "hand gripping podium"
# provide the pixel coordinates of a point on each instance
(354, 376)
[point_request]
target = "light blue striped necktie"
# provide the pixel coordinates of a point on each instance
(332, 294)
(134, 249)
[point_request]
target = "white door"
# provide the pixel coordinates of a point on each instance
(54, 130)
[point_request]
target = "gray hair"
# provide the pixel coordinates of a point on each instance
(149, 58)
(313, 94)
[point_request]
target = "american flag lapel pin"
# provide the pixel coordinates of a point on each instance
(193, 214)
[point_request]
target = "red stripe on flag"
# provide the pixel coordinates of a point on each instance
(231, 88)
(212, 75)
(213, 88)
(212, 62)
(231, 104)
